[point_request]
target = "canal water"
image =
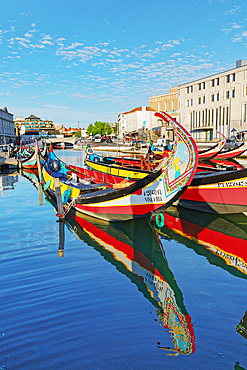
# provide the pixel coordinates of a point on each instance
(166, 293)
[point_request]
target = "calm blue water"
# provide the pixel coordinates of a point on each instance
(100, 305)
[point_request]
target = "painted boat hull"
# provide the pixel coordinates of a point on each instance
(222, 192)
(232, 153)
(212, 152)
(157, 190)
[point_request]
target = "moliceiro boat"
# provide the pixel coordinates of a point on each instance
(232, 153)
(159, 189)
(217, 192)
(213, 151)
(32, 159)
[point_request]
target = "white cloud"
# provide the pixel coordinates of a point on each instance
(232, 11)
(47, 42)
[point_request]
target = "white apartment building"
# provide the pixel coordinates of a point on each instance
(7, 128)
(137, 122)
(217, 103)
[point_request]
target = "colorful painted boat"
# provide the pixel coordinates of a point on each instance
(202, 154)
(217, 192)
(221, 239)
(212, 190)
(157, 190)
(232, 153)
(62, 145)
(142, 163)
(213, 151)
(219, 165)
(227, 163)
(141, 258)
(29, 160)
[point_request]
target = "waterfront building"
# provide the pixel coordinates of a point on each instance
(217, 103)
(33, 123)
(167, 102)
(7, 128)
(34, 127)
(137, 123)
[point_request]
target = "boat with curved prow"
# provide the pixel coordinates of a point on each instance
(213, 151)
(232, 153)
(30, 160)
(140, 199)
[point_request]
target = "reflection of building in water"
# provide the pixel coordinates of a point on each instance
(7, 182)
(221, 238)
(135, 249)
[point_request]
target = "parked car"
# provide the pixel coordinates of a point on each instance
(97, 139)
(139, 143)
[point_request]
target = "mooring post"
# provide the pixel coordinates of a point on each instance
(61, 239)
(60, 209)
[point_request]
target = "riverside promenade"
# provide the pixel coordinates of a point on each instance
(7, 163)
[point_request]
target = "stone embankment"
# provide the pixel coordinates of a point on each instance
(7, 163)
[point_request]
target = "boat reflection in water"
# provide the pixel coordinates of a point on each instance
(135, 249)
(220, 238)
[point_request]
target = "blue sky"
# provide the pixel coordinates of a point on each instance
(84, 60)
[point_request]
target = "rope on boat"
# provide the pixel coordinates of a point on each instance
(67, 209)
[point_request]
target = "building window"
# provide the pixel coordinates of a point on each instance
(191, 102)
(218, 81)
(227, 94)
(199, 86)
(199, 100)
(166, 106)
(218, 96)
(233, 93)
(187, 103)
(188, 90)
(203, 99)
(212, 83)
(228, 78)
(233, 76)
(172, 105)
(203, 85)
(191, 88)
(212, 97)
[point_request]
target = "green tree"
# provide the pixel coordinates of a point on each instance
(101, 128)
